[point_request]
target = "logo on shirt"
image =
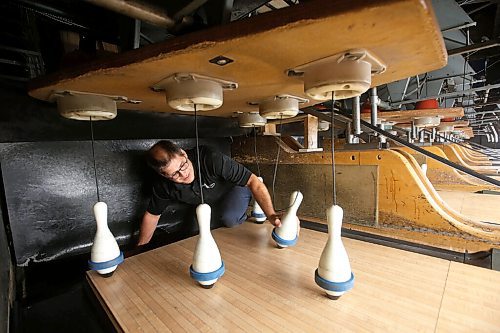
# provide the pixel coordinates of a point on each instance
(208, 186)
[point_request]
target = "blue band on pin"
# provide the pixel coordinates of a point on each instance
(207, 276)
(282, 241)
(106, 264)
(333, 286)
(258, 215)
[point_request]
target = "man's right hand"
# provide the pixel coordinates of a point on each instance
(148, 226)
(275, 220)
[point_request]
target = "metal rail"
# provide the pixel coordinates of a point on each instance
(468, 171)
(496, 156)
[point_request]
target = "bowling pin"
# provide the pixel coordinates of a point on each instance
(105, 254)
(287, 234)
(207, 264)
(334, 271)
(424, 168)
(257, 212)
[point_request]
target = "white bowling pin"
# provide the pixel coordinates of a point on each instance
(286, 235)
(207, 261)
(424, 168)
(334, 266)
(257, 212)
(105, 254)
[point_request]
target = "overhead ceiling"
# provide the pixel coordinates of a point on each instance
(38, 38)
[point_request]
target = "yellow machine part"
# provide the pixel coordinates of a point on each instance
(409, 207)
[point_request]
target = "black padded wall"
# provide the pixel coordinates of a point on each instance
(48, 175)
(6, 278)
(50, 190)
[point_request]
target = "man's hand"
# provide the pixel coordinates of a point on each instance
(275, 220)
(148, 226)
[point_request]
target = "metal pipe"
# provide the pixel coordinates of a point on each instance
(138, 10)
(414, 131)
(450, 94)
(494, 133)
(404, 91)
(418, 86)
(408, 137)
(486, 95)
(384, 105)
(485, 112)
(356, 116)
(461, 26)
(474, 47)
(349, 133)
(449, 76)
(137, 34)
(189, 9)
(373, 100)
(412, 146)
(421, 135)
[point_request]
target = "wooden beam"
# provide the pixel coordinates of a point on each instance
(263, 48)
(409, 115)
(310, 132)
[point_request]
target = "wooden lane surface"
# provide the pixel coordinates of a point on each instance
(263, 48)
(471, 301)
(273, 290)
(476, 206)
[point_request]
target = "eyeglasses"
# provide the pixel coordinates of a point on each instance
(183, 167)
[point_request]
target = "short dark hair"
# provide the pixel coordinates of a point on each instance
(168, 147)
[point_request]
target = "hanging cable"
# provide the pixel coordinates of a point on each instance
(332, 135)
(276, 164)
(465, 68)
(93, 158)
(255, 149)
(198, 153)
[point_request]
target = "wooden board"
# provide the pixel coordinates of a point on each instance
(471, 301)
(356, 189)
(477, 206)
(408, 116)
(458, 123)
(469, 133)
(263, 48)
(408, 206)
(273, 290)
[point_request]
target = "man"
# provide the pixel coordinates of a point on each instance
(227, 186)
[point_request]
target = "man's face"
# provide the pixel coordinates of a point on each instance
(180, 170)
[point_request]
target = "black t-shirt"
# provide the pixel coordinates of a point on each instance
(219, 174)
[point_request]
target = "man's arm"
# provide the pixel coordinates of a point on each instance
(261, 195)
(148, 226)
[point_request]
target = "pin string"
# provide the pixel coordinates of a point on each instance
(276, 164)
(198, 153)
(332, 134)
(255, 149)
(93, 158)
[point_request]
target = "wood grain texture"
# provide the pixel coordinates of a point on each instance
(263, 48)
(408, 116)
(442, 175)
(266, 289)
(408, 206)
(477, 206)
(471, 300)
(455, 155)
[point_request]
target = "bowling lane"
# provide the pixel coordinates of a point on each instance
(270, 289)
(479, 207)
